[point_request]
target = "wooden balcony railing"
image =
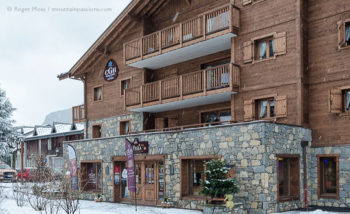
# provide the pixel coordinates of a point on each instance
(78, 113)
(191, 126)
(224, 18)
(224, 77)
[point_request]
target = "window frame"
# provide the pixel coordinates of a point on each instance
(121, 84)
(92, 128)
(327, 195)
(191, 158)
(268, 108)
(218, 110)
(80, 176)
(120, 125)
(281, 199)
(344, 96)
(93, 93)
(257, 42)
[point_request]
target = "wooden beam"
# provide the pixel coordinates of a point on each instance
(156, 7)
(188, 2)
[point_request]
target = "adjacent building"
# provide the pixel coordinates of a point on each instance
(46, 141)
(261, 84)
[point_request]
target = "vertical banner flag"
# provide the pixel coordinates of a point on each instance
(130, 165)
(73, 167)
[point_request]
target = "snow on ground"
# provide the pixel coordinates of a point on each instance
(8, 206)
(313, 212)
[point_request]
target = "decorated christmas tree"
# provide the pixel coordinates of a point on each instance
(216, 183)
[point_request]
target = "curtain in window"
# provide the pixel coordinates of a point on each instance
(347, 35)
(262, 50)
(272, 108)
(263, 109)
(98, 94)
(126, 127)
(348, 100)
(126, 84)
(272, 51)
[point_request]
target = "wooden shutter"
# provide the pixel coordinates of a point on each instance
(247, 52)
(160, 123)
(335, 101)
(281, 106)
(341, 34)
(245, 2)
(172, 122)
(248, 110)
(184, 178)
(294, 177)
(280, 43)
(83, 176)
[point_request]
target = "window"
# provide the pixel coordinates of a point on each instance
(328, 176)
(288, 175)
(98, 93)
(192, 173)
(216, 116)
(347, 34)
(91, 176)
(264, 48)
(124, 127)
(339, 100)
(343, 34)
(265, 108)
(96, 131)
(125, 84)
(346, 100)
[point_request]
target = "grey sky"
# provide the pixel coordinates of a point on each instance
(42, 38)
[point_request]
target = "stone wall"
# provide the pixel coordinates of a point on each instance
(251, 147)
(110, 126)
(344, 176)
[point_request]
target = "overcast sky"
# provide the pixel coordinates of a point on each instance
(40, 39)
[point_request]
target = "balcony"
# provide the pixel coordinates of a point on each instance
(205, 34)
(78, 114)
(203, 87)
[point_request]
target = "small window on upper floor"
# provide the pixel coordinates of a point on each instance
(125, 84)
(346, 100)
(264, 48)
(98, 93)
(124, 127)
(343, 34)
(339, 101)
(96, 131)
(265, 108)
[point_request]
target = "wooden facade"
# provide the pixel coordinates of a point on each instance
(304, 74)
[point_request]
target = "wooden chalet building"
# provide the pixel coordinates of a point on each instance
(262, 84)
(47, 142)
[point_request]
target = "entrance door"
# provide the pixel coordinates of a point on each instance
(149, 176)
(149, 185)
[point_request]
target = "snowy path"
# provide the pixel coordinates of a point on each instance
(8, 206)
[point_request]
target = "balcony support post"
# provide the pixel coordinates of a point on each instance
(181, 35)
(180, 87)
(141, 48)
(204, 27)
(160, 91)
(160, 41)
(141, 95)
(204, 82)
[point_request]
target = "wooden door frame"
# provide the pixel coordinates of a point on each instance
(156, 159)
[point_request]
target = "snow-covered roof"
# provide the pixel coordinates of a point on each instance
(54, 130)
(61, 127)
(80, 126)
(42, 130)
